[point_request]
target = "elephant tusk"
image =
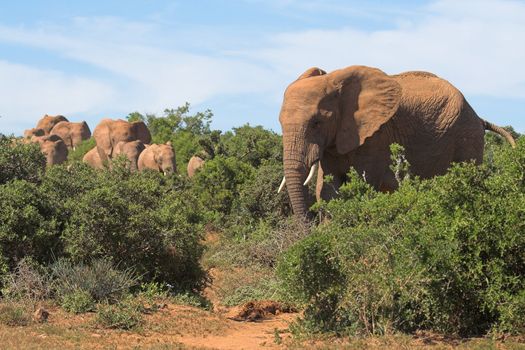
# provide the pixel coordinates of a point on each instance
(282, 185)
(312, 171)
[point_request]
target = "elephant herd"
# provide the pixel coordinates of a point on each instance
(333, 121)
(57, 136)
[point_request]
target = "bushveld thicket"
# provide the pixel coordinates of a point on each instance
(445, 254)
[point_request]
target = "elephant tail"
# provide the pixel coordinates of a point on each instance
(499, 130)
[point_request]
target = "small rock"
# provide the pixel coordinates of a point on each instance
(40, 315)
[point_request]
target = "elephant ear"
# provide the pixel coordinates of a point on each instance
(311, 72)
(368, 98)
(142, 132)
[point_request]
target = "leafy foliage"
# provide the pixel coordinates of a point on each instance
(444, 254)
(20, 161)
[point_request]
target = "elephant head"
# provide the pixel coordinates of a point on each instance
(109, 133)
(72, 133)
(53, 147)
(158, 157)
(48, 122)
(332, 113)
(131, 150)
(194, 165)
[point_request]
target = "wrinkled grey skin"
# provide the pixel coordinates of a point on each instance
(131, 150)
(158, 157)
(350, 117)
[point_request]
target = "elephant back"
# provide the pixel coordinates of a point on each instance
(48, 122)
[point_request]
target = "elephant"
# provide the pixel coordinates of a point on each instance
(350, 117)
(48, 122)
(131, 150)
(92, 159)
(29, 133)
(53, 147)
(72, 133)
(158, 157)
(110, 132)
(194, 165)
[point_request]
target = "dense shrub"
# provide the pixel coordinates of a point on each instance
(20, 161)
(28, 223)
(218, 185)
(142, 221)
(253, 145)
(444, 254)
(258, 198)
(126, 315)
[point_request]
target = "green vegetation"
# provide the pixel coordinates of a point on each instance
(445, 254)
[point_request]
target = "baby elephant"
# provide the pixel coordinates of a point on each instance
(158, 157)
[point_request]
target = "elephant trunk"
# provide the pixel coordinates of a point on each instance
(295, 174)
(298, 158)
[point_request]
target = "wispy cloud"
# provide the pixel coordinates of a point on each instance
(27, 93)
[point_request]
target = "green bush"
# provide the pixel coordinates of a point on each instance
(20, 161)
(143, 221)
(78, 302)
(444, 254)
(126, 315)
(80, 151)
(219, 183)
(258, 198)
(29, 223)
(253, 145)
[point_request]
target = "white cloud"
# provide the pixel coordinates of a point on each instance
(155, 77)
(475, 44)
(28, 93)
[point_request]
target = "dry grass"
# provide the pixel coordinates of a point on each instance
(184, 327)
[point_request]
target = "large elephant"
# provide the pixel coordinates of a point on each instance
(158, 157)
(194, 165)
(53, 147)
(48, 122)
(350, 117)
(92, 159)
(72, 133)
(131, 150)
(109, 133)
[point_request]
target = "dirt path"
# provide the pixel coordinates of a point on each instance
(263, 334)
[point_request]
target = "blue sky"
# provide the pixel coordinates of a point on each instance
(94, 59)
